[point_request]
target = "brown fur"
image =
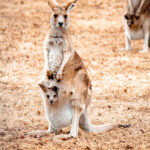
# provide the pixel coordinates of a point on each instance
(77, 69)
(76, 77)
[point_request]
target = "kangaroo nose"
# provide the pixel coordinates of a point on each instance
(130, 24)
(51, 101)
(60, 24)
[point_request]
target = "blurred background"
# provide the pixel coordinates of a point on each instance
(121, 91)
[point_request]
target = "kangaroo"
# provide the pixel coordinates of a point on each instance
(136, 22)
(73, 92)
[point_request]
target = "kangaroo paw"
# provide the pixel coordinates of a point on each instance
(49, 74)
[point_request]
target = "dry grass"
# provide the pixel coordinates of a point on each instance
(121, 91)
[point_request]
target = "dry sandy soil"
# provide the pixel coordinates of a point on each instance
(121, 80)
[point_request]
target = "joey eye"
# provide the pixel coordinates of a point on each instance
(65, 16)
(55, 16)
(55, 96)
(47, 96)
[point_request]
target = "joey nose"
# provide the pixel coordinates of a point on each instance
(60, 24)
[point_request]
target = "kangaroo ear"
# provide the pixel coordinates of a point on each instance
(43, 87)
(52, 4)
(70, 4)
(55, 88)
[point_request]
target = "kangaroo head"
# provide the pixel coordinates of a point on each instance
(59, 15)
(132, 19)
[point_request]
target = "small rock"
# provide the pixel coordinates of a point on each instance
(38, 112)
(109, 106)
(2, 133)
(128, 147)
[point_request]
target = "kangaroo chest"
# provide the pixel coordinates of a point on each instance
(55, 53)
(135, 34)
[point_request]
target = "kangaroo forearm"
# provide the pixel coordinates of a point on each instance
(65, 60)
(46, 57)
(130, 6)
(141, 6)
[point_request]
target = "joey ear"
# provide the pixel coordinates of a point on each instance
(43, 87)
(52, 4)
(55, 88)
(70, 4)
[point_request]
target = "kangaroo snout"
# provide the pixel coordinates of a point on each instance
(51, 101)
(130, 23)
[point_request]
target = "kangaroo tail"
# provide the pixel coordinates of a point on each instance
(86, 125)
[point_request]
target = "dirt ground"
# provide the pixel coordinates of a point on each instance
(121, 80)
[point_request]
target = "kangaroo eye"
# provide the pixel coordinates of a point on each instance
(55, 16)
(47, 96)
(65, 16)
(137, 17)
(55, 96)
(126, 17)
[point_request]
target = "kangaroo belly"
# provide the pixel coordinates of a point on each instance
(61, 117)
(135, 34)
(55, 54)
